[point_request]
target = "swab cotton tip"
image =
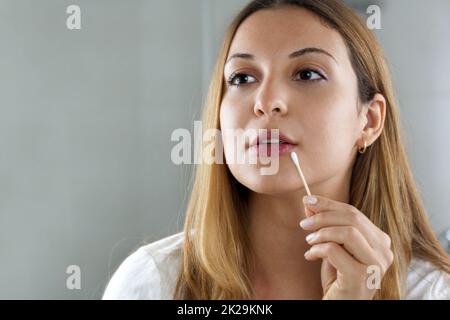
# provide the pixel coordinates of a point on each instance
(294, 159)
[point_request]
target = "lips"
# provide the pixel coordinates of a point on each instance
(268, 144)
(270, 138)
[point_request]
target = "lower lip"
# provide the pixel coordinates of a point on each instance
(283, 148)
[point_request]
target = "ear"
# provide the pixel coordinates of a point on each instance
(373, 115)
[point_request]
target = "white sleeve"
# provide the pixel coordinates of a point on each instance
(137, 278)
(440, 289)
(426, 282)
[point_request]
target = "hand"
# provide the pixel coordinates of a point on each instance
(350, 246)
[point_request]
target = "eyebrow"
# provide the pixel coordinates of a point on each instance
(294, 54)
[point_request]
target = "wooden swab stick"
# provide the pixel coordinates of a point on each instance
(294, 159)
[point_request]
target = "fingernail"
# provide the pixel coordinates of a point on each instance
(309, 199)
(306, 254)
(311, 237)
(306, 223)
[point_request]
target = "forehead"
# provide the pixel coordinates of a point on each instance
(272, 32)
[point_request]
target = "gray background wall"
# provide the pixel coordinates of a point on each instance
(86, 118)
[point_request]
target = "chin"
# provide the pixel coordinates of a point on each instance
(269, 184)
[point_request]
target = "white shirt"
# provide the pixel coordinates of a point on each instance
(151, 273)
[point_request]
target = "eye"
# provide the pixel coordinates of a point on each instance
(310, 75)
(236, 79)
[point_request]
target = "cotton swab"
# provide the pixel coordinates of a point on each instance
(294, 159)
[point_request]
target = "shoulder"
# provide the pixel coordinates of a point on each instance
(426, 282)
(148, 273)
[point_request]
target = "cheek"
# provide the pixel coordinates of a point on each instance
(332, 114)
(230, 119)
(330, 130)
(231, 116)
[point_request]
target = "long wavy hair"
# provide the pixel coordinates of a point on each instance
(217, 257)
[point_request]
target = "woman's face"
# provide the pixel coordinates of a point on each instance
(310, 97)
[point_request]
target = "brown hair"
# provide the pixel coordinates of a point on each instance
(217, 260)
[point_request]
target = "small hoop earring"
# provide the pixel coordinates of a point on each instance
(363, 149)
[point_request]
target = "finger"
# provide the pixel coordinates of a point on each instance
(352, 240)
(320, 204)
(324, 204)
(339, 259)
(375, 237)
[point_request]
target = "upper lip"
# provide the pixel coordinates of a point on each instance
(261, 137)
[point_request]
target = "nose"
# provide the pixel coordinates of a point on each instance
(269, 102)
(270, 110)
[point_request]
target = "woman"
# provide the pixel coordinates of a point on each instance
(314, 71)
